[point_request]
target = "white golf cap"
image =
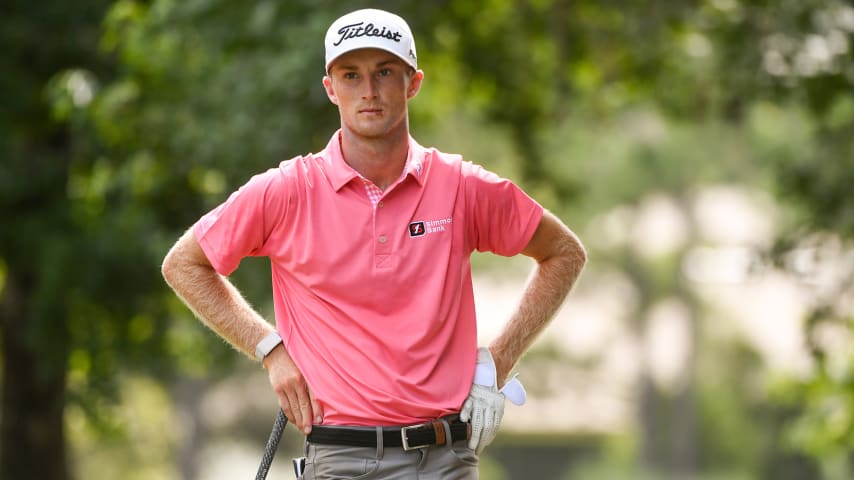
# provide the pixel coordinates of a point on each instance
(370, 28)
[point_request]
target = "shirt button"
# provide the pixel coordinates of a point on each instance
(383, 239)
(380, 204)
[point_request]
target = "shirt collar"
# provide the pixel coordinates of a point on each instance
(340, 173)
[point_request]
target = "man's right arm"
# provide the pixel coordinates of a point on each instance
(220, 306)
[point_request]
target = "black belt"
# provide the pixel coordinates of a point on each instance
(410, 438)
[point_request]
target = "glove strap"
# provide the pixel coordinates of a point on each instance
(515, 391)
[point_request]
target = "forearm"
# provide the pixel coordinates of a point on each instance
(546, 290)
(213, 299)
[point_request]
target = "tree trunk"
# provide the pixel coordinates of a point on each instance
(649, 401)
(32, 436)
(188, 393)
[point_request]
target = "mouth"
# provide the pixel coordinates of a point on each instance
(371, 111)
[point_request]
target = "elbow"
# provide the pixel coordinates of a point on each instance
(168, 268)
(574, 253)
(185, 264)
(580, 253)
(175, 265)
(178, 262)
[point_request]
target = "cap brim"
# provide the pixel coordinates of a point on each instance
(375, 47)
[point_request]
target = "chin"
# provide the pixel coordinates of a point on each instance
(370, 131)
(374, 129)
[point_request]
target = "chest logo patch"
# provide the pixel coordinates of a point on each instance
(416, 229)
(421, 228)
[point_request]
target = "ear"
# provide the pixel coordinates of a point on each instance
(415, 82)
(330, 91)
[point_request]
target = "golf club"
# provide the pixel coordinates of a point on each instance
(272, 444)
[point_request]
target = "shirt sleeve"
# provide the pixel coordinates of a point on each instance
(501, 217)
(240, 226)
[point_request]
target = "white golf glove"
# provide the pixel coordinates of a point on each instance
(484, 406)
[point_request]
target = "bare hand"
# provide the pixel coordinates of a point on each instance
(295, 398)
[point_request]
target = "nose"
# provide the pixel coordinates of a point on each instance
(370, 89)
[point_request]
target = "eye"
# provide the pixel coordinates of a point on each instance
(385, 72)
(351, 75)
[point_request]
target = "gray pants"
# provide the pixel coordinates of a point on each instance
(452, 461)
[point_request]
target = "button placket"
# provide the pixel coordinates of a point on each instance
(383, 237)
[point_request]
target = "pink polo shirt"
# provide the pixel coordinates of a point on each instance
(374, 302)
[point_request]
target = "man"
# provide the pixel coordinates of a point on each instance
(374, 355)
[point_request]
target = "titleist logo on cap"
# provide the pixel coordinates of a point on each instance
(356, 30)
(370, 28)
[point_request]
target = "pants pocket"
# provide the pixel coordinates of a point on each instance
(325, 462)
(464, 454)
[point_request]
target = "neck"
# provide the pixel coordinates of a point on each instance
(378, 159)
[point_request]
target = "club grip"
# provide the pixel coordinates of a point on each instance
(272, 444)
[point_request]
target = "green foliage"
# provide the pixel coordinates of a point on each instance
(825, 428)
(123, 121)
(147, 416)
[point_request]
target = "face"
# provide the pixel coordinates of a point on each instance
(371, 88)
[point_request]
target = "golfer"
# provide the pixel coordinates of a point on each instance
(374, 355)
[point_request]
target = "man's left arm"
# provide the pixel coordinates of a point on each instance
(560, 257)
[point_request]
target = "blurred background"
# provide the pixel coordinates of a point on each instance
(702, 149)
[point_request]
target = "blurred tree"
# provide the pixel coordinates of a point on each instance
(529, 65)
(116, 141)
(111, 149)
(45, 258)
(801, 86)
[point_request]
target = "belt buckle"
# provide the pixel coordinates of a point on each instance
(405, 440)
